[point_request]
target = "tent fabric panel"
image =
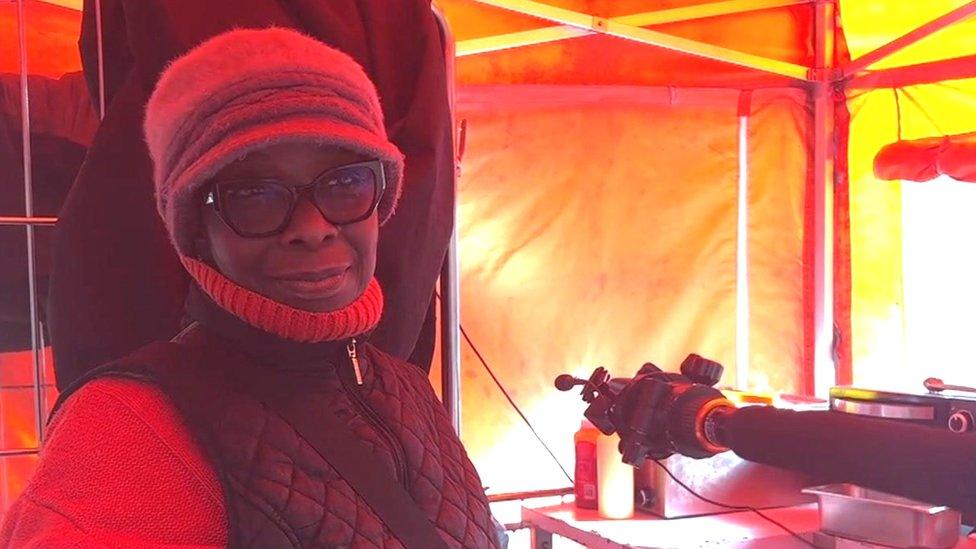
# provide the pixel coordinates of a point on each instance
(926, 159)
(911, 160)
(870, 24)
(877, 322)
(58, 107)
(600, 59)
(590, 236)
(579, 250)
(958, 160)
(881, 118)
(778, 164)
(52, 39)
(787, 33)
(936, 109)
(842, 283)
(615, 8)
(469, 20)
(606, 60)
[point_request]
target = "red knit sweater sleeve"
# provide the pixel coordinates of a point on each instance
(118, 469)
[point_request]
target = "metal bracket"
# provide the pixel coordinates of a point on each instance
(600, 24)
(825, 74)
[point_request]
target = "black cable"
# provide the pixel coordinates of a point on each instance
(733, 507)
(512, 402)
(509, 398)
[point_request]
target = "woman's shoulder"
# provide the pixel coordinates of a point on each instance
(118, 459)
(118, 406)
(127, 422)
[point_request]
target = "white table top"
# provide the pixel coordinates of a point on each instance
(738, 529)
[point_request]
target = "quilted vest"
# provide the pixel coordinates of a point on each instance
(231, 385)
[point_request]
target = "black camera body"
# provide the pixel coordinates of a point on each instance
(656, 413)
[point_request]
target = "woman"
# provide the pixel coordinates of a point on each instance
(273, 173)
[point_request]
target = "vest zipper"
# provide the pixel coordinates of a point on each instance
(371, 417)
(354, 358)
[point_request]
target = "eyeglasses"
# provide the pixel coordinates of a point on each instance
(260, 207)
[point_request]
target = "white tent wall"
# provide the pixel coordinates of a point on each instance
(887, 350)
(598, 227)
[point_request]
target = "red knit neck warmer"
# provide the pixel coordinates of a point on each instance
(286, 322)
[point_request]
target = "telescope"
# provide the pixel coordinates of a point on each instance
(658, 414)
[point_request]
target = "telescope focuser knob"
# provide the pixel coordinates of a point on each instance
(701, 370)
(566, 382)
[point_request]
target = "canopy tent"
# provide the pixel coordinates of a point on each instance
(662, 267)
(643, 180)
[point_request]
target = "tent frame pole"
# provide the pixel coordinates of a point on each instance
(101, 59)
(29, 213)
(742, 328)
(824, 374)
(450, 279)
(641, 35)
(21, 220)
(703, 11)
(861, 63)
(911, 75)
(499, 42)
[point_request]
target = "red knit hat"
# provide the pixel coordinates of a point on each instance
(246, 90)
(249, 89)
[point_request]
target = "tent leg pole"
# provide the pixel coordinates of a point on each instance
(450, 279)
(101, 59)
(824, 374)
(450, 336)
(742, 259)
(29, 212)
(824, 369)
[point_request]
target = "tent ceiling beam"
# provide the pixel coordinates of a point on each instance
(499, 42)
(594, 24)
(489, 44)
(70, 4)
(933, 26)
(912, 75)
(703, 11)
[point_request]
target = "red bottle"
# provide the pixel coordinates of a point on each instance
(586, 466)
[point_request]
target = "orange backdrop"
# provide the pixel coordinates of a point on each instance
(598, 227)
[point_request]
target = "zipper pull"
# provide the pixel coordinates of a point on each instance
(354, 358)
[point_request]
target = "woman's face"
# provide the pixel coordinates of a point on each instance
(312, 265)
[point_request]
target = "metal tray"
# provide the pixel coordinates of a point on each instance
(853, 512)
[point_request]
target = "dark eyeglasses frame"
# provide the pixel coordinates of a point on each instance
(302, 191)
